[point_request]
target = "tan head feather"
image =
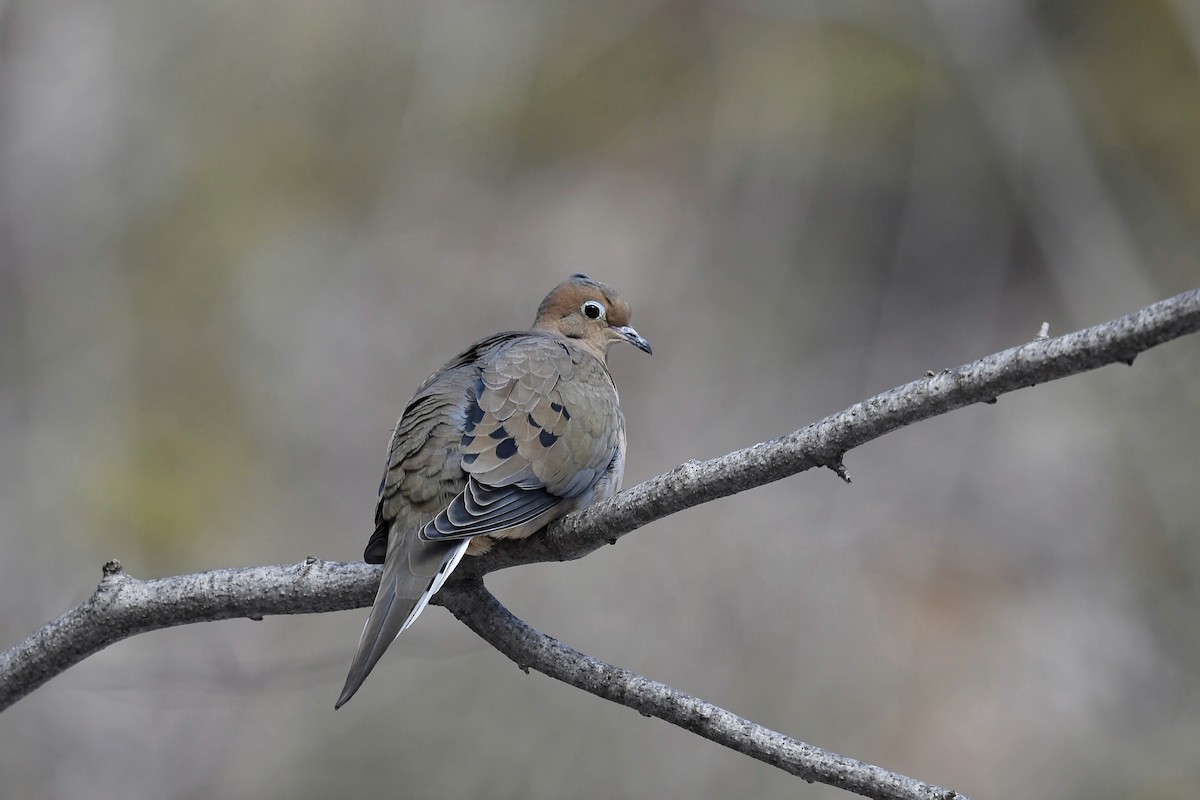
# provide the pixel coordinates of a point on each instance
(590, 312)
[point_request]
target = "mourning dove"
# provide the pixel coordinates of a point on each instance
(518, 430)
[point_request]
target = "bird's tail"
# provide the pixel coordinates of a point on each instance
(413, 572)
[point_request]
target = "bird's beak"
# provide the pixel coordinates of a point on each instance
(634, 338)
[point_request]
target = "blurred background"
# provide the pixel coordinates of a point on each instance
(235, 236)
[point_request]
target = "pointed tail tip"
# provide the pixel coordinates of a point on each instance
(348, 691)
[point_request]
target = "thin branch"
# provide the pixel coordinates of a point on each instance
(123, 606)
(480, 611)
(824, 443)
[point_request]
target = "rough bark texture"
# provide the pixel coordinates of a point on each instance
(480, 611)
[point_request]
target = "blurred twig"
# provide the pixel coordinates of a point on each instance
(124, 606)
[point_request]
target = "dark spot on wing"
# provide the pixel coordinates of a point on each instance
(546, 438)
(557, 408)
(499, 433)
(474, 412)
(466, 440)
(469, 458)
(506, 449)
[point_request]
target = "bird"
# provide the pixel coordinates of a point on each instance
(516, 431)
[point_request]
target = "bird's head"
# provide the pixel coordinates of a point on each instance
(587, 310)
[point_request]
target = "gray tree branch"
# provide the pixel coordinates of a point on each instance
(480, 611)
(823, 443)
(123, 606)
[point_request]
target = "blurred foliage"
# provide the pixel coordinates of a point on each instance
(235, 236)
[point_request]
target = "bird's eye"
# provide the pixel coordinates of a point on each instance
(592, 310)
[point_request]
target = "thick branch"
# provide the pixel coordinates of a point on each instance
(480, 611)
(123, 606)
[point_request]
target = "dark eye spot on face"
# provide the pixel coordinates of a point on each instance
(506, 449)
